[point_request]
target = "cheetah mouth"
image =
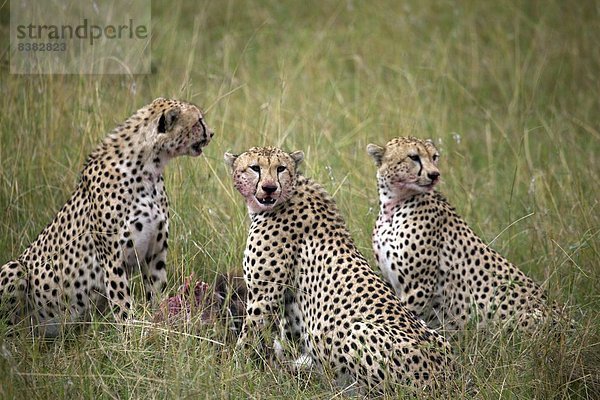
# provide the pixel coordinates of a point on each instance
(429, 186)
(267, 201)
(197, 147)
(416, 187)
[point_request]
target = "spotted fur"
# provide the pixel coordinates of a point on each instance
(299, 252)
(115, 222)
(439, 268)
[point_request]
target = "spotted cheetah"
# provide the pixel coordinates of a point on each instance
(439, 268)
(351, 322)
(115, 222)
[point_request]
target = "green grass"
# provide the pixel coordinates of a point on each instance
(509, 91)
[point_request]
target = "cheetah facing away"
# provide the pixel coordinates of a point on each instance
(115, 222)
(350, 321)
(439, 268)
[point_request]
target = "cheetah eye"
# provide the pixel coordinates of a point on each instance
(435, 157)
(280, 169)
(255, 168)
(414, 157)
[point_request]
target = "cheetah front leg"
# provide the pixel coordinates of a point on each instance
(290, 349)
(257, 319)
(266, 284)
(250, 339)
(261, 317)
(116, 284)
(154, 271)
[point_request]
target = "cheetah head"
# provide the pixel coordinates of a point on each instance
(405, 166)
(178, 128)
(265, 176)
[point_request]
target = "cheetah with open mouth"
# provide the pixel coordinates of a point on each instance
(115, 222)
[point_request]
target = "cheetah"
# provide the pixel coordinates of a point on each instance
(438, 267)
(299, 253)
(115, 223)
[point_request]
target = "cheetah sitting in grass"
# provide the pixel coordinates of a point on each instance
(439, 268)
(115, 222)
(350, 321)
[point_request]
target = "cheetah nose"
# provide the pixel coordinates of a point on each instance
(269, 189)
(433, 175)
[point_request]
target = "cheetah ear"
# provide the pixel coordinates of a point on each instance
(230, 159)
(376, 153)
(167, 120)
(431, 143)
(297, 156)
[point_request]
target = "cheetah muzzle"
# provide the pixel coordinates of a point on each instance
(199, 130)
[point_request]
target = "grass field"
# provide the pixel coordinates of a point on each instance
(509, 91)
